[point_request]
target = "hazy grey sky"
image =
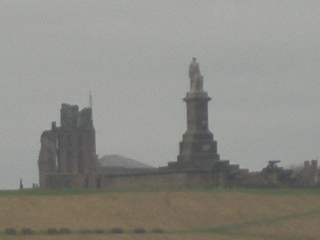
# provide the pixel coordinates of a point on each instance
(260, 61)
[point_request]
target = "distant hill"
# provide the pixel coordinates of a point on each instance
(111, 161)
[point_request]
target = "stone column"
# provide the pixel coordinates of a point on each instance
(198, 149)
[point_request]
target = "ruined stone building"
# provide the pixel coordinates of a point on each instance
(68, 151)
(309, 175)
(68, 157)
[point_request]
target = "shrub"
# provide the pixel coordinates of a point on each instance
(157, 230)
(10, 231)
(85, 231)
(65, 230)
(26, 231)
(100, 231)
(117, 230)
(139, 230)
(52, 231)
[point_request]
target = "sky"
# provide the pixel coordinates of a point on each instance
(260, 61)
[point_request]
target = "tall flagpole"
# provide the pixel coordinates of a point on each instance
(90, 100)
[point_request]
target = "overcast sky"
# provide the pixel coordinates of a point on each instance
(260, 61)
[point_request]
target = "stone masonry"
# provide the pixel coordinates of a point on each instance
(198, 149)
(68, 150)
(68, 157)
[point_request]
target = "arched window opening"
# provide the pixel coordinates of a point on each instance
(98, 183)
(80, 162)
(69, 140)
(86, 183)
(80, 141)
(69, 162)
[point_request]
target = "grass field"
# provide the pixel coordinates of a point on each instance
(224, 214)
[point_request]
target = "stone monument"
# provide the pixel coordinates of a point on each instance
(198, 149)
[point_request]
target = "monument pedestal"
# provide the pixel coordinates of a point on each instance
(198, 149)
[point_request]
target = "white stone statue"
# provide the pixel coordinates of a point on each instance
(196, 79)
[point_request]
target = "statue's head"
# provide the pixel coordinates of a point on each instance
(194, 59)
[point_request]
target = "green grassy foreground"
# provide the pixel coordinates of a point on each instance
(66, 192)
(225, 214)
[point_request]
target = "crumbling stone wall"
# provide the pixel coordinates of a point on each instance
(69, 149)
(155, 180)
(309, 175)
(47, 156)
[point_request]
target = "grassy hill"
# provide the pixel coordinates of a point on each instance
(197, 214)
(121, 161)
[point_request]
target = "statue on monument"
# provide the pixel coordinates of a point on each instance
(196, 79)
